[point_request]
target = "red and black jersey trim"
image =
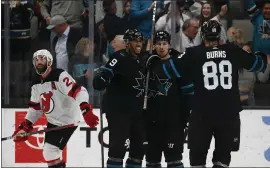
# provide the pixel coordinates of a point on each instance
(52, 77)
(74, 91)
(34, 105)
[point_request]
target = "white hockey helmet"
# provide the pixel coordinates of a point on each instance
(44, 53)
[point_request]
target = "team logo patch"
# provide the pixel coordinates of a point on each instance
(47, 103)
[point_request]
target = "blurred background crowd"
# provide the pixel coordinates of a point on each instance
(82, 34)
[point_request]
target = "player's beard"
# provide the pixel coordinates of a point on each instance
(41, 69)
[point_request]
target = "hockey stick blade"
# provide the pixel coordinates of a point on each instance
(45, 130)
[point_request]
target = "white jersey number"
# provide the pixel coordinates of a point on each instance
(113, 62)
(213, 75)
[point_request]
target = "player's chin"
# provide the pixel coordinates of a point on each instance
(41, 70)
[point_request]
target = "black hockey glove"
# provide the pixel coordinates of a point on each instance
(102, 78)
(262, 55)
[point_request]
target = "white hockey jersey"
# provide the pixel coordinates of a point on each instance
(58, 97)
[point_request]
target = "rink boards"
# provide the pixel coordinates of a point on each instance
(84, 148)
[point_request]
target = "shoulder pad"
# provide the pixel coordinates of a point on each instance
(123, 53)
(174, 53)
(119, 54)
(53, 76)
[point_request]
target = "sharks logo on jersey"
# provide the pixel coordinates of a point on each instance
(140, 84)
(265, 29)
(158, 86)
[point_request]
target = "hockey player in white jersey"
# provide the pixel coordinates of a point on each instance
(55, 93)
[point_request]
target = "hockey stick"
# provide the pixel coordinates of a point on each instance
(101, 117)
(45, 130)
(101, 129)
(150, 52)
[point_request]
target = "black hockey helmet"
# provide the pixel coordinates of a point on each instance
(132, 34)
(162, 36)
(210, 30)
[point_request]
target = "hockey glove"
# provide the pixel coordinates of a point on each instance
(88, 115)
(24, 127)
(102, 78)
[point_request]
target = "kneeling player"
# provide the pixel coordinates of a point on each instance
(166, 110)
(56, 94)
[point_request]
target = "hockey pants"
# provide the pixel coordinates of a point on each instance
(126, 132)
(201, 130)
(166, 137)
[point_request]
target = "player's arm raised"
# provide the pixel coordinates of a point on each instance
(251, 62)
(69, 87)
(34, 112)
(106, 73)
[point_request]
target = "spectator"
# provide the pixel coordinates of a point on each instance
(79, 63)
(126, 17)
(118, 43)
(20, 45)
(113, 25)
(208, 13)
(141, 14)
(64, 42)
(99, 12)
(165, 21)
(265, 76)
(189, 33)
(247, 80)
(195, 9)
(260, 18)
(235, 35)
(71, 10)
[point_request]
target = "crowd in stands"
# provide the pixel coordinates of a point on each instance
(63, 28)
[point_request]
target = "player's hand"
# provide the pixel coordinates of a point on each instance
(268, 59)
(90, 118)
(102, 79)
(24, 127)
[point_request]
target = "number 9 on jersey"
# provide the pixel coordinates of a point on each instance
(113, 62)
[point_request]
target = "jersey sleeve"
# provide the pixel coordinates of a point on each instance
(177, 67)
(34, 110)
(248, 61)
(115, 63)
(107, 72)
(68, 86)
